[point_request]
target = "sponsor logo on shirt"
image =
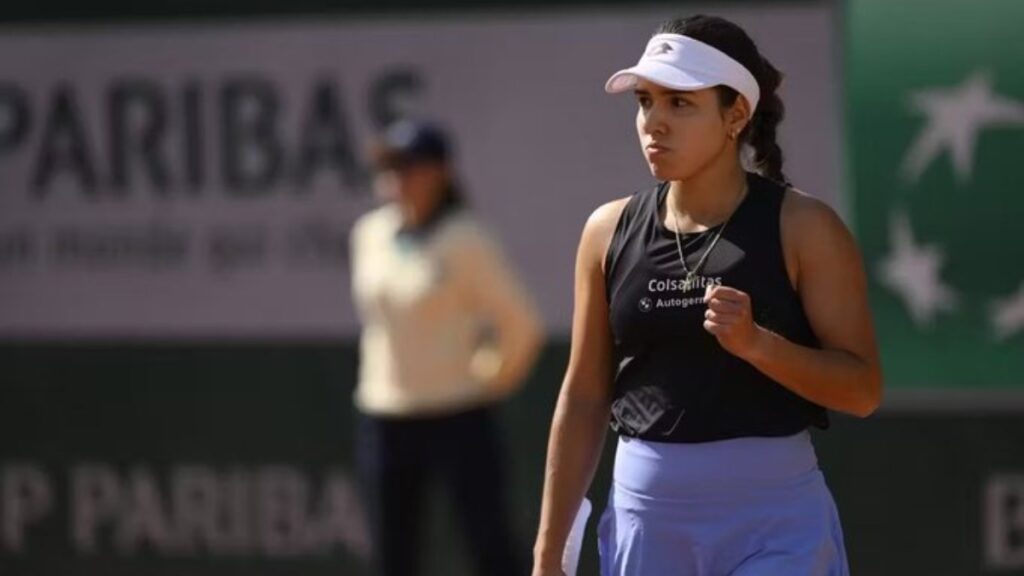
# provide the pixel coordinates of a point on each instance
(663, 286)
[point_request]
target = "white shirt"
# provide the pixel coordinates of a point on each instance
(425, 306)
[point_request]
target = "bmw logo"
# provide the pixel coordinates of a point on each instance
(646, 305)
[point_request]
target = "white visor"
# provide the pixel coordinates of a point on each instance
(682, 63)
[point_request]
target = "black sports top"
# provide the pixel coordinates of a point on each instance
(674, 382)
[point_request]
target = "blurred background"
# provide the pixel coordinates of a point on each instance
(177, 185)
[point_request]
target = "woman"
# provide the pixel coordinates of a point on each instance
(718, 316)
(448, 331)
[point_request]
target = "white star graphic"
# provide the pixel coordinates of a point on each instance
(1008, 314)
(954, 118)
(912, 272)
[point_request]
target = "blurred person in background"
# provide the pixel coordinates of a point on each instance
(448, 331)
(718, 316)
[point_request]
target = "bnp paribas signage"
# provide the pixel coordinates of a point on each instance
(179, 181)
(935, 118)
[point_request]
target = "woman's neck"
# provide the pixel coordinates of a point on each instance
(709, 197)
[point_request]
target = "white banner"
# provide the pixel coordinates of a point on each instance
(200, 181)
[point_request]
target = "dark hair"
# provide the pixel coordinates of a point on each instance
(450, 202)
(407, 142)
(453, 197)
(734, 41)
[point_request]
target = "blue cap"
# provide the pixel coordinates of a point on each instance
(408, 141)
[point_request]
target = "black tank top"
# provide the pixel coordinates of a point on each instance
(674, 382)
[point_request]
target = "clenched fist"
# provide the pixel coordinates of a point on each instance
(729, 318)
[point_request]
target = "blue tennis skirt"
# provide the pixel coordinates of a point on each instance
(740, 507)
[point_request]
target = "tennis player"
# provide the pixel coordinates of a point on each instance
(718, 316)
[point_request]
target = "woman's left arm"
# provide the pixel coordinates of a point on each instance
(821, 255)
(499, 296)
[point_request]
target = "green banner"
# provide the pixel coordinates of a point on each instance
(935, 120)
(231, 460)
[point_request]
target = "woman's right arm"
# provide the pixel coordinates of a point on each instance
(581, 415)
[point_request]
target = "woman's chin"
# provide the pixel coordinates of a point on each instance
(661, 172)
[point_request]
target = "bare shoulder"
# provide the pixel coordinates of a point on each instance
(599, 229)
(804, 209)
(812, 231)
(606, 216)
(809, 219)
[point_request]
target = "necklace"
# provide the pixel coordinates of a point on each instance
(692, 274)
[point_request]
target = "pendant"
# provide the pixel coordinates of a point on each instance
(688, 282)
